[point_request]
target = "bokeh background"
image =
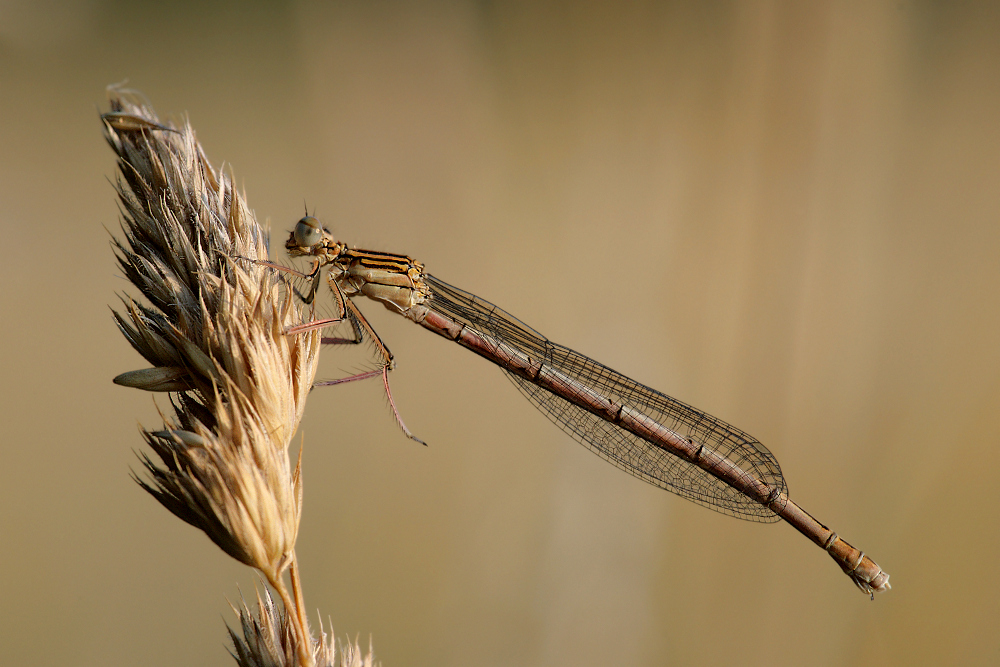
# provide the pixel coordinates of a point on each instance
(787, 214)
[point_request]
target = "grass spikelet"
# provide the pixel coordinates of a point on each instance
(267, 639)
(212, 326)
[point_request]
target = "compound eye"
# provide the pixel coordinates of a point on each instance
(308, 232)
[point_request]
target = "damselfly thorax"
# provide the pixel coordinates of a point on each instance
(395, 281)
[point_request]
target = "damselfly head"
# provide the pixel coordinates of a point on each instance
(308, 237)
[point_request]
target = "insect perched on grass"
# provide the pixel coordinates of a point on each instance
(646, 433)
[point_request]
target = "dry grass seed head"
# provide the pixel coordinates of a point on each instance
(213, 331)
(267, 639)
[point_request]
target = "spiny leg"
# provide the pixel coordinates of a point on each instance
(361, 326)
(312, 278)
(384, 372)
(342, 312)
(395, 412)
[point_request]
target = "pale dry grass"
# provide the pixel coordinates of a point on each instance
(212, 327)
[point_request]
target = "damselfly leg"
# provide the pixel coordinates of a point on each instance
(361, 329)
(305, 287)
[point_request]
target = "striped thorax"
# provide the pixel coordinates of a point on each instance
(395, 281)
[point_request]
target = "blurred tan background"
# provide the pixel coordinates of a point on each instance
(787, 214)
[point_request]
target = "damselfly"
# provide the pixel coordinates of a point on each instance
(638, 429)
